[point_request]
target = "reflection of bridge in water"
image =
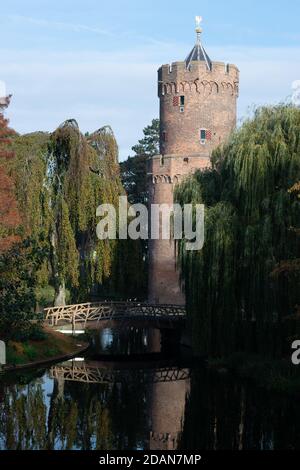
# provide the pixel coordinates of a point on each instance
(93, 373)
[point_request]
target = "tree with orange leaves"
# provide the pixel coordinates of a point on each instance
(19, 259)
(9, 215)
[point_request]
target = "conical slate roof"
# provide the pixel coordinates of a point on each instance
(198, 53)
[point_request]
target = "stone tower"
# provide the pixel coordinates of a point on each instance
(198, 100)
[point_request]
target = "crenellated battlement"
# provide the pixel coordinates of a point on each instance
(169, 72)
(171, 169)
(176, 78)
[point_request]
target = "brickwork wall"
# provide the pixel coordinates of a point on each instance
(209, 103)
(166, 172)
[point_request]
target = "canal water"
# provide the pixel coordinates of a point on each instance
(126, 394)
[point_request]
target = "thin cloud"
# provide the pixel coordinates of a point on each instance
(119, 87)
(63, 26)
(81, 28)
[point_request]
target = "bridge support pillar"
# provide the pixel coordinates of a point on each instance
(154, 340)
(60, 388)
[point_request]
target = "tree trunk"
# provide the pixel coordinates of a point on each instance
(59, 286)
(60, 295)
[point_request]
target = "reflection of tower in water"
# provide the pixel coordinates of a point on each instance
(167, 413)
(160, 388)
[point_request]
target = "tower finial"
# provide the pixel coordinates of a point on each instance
(198, 20)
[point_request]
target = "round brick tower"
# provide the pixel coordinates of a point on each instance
(198, 100)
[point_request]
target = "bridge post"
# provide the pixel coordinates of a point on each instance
(2, 353)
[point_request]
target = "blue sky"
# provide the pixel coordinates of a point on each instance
(96, 61)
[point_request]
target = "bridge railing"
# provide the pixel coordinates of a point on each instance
(96, 311)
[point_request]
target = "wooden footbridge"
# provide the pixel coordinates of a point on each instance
(99, 311)
(94, 374)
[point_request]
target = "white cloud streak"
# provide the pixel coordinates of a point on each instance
(60, 25)
(119, 88)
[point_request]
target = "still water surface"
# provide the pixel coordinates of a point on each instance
(157, 403)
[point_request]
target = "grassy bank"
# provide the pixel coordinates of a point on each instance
(53, 344)
(273, 374)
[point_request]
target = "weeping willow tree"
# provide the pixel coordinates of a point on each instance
(249, 211)
(83, 173)
(32, 193)
(60, 180)
(290, 268)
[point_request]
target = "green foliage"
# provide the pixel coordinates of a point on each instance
(18, 268)
(28, 169)
(68, 258)
(44, 295)
(29, 351)
(29, 172)
(249, 213)
(134, 169)
(52, 352)
(12, 357)
(61, 179)
(129, 278)
(149, 144)
(37, 333)
(132, 257)
(134, 178)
